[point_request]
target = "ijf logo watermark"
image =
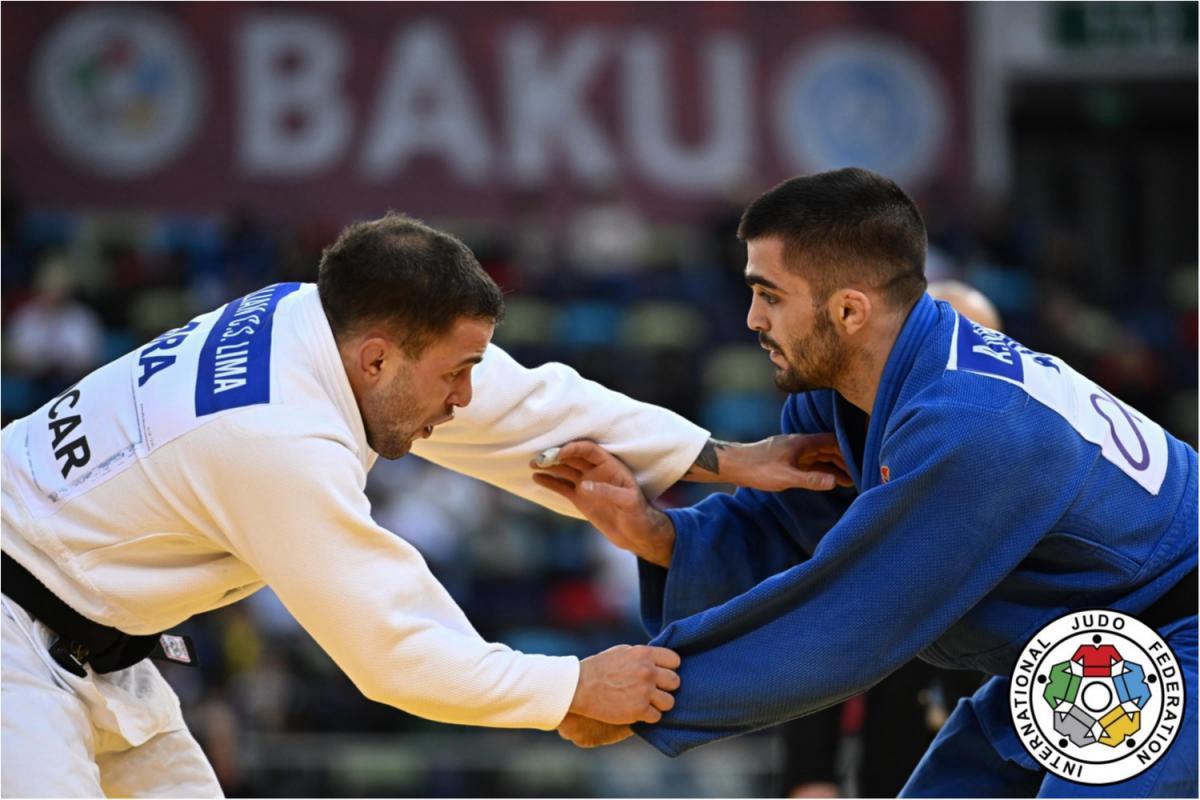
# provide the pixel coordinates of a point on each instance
(118, 89)
(1097, 697)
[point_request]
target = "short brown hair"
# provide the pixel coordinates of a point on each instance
(842, 227)
(399, 272)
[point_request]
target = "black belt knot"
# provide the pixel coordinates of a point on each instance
(80, 640)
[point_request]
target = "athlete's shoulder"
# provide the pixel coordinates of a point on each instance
(968, 366)
(285, 424)
(273, 443)
(1034, 402)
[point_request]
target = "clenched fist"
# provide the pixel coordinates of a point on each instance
(627, 684)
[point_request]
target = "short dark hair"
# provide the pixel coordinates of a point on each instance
(402, 274)
(842, 227)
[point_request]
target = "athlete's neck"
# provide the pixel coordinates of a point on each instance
(859, 381)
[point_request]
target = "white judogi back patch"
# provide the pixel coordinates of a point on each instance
(1132, 442)
(126, 409)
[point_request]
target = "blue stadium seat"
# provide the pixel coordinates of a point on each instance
(116, 344)
(48, 228)
(742, 416)
(18, 395)
(589, 324)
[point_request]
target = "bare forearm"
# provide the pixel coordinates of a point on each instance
(796, 461)
(707, 467)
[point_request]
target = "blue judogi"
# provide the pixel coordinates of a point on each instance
(995, 490)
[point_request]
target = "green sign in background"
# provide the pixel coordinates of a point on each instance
(1167, 29)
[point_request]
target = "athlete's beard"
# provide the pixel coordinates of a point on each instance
(392, 418)
(813, 361)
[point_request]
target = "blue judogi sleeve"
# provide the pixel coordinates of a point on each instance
(906, 561)
(760, 534)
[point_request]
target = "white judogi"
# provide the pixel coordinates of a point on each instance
(230, 454)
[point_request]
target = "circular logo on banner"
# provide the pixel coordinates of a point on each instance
(118, 90)
(1097, 697)
(865, 101)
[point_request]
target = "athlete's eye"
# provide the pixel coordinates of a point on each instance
(769, 299)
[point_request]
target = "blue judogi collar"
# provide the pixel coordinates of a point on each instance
(920, 323)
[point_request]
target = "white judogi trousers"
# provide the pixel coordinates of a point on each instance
(117, 734)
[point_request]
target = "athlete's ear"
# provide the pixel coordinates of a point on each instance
(372, 353)
(850, 309)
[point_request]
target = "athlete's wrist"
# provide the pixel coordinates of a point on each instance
(657, 546)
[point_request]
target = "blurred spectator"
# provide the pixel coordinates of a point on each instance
(608, 236)
(968, 301)
(53, 338)
(535, 247)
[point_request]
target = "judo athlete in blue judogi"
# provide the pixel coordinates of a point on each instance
(994, 490)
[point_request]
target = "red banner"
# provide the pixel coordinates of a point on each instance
(469, 109)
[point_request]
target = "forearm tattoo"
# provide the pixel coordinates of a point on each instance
(709, 459)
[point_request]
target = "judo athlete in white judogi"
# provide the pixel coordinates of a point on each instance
(231, 453)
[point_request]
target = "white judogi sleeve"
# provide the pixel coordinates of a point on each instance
(294, 510)
(518, 412)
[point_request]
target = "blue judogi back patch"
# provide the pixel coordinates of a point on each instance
(1134, 443)
(234, 369)
(983, 350)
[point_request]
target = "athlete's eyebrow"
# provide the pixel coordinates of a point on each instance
(759, 280)
(466, 361)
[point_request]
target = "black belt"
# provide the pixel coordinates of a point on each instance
(1177, 603)
(80, 640)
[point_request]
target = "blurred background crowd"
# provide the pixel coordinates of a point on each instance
(1051, 147)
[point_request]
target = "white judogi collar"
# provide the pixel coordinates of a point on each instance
(315, 338)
